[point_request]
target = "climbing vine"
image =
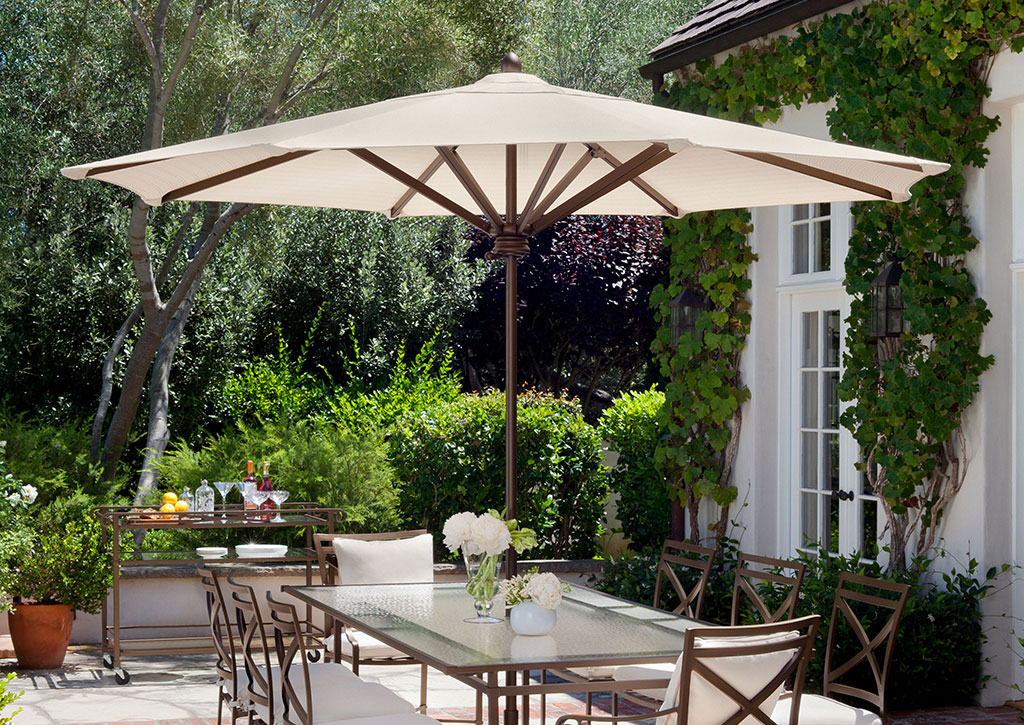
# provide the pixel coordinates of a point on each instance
(703, 409)
(907, 76)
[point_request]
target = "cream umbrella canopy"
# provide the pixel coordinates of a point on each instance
(512, 155)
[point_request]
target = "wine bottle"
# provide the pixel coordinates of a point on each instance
(250, 477)
(267, 505)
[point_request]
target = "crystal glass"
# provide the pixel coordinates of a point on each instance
(279, 497)
(259, 498)
(248, 490)
(225, 488)
(484, 572)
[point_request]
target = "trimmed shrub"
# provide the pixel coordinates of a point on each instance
(938, 650)
(451, 458)
(631, 428)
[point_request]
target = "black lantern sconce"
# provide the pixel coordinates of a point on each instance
(887, 302)
(686, 308)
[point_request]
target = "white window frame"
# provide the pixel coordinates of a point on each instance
(841, 225)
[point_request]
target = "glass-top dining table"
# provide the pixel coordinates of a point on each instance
(427, 621)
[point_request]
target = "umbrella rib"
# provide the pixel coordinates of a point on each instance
(837, 179)
(95, 170)
(411, 192)
(413, 183)
(542, 181)
(577, 168)
(638, 164)
(465, 177)
(218, 179)
(639, 183)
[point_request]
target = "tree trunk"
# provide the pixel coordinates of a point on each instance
(159, 431)
(107, 381)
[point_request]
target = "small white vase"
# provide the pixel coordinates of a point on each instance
(530, 619)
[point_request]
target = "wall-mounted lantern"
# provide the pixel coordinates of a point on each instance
(887, 302)
(686, 308)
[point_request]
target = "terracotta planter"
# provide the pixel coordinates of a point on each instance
(40, 633)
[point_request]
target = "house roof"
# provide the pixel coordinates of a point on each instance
(725, 24)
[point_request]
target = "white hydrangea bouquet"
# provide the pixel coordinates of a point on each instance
(483, 540)
(545, 590)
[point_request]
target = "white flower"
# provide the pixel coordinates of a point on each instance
(490, 536)
(29, 493)
(14, 498)
(545, 590)
(458, 530)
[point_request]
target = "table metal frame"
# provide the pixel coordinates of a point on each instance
(487, 679)
(116, 520)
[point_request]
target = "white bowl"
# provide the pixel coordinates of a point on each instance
(212, 552)
(257, 551)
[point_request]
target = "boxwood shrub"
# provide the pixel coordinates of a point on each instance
(451, 458)
(631, 428)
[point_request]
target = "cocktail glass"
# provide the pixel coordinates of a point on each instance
(249, 489)
(279, 497)
(225, 488)
(259, 498)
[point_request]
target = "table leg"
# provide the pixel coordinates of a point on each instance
(511, 714)
(526, 700)
(492, 698)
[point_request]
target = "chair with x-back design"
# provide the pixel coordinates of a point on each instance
(687, 556)
(883, 603)
(754, 575)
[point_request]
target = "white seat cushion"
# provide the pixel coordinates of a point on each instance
(747, 673)
(369, 647)
(605, 672)
(407, 719)
(818, 710)
(391, 561)
(338, 695)
(659, 671)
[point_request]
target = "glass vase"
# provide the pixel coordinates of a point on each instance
(484, 574)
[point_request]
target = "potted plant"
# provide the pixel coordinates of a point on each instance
(45, 575)
(534, 597)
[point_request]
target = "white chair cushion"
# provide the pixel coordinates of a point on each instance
(605, 672)
(369, 647)
(663, 670)
(818, 710)
(407, 719)
(393, 561)
(747, 673)
(337, 695)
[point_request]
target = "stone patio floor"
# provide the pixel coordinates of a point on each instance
(182, 691)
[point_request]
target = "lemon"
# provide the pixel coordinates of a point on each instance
(170, 498)
(168, 508)
(181, 506)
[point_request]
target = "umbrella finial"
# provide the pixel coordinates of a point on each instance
(511, 63)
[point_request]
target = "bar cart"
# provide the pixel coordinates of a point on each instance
(116, 520)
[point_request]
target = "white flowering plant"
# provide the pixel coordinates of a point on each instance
(15, 495)
(545, 590)
(487, 534)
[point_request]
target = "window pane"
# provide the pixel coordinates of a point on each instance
(800, 211)
(830, 536)
(823, 249)
(800, 242)
(830, 462)
(810, 337)
(831, 342)
(869, 529)
(830, 400)
(809, 391)
(809, 457)
(824, 209)
(808, 518)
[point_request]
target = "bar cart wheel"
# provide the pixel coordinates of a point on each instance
(121, 676)
(313, 655)
(108, 661)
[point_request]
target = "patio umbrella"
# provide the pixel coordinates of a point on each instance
(512, 155)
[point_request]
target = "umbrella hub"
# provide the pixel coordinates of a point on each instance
(509, 245)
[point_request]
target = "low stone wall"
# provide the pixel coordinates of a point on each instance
(170, 594)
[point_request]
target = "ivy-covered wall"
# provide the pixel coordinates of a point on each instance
(906, 76)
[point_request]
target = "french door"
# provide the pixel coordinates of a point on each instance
(833, 507)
